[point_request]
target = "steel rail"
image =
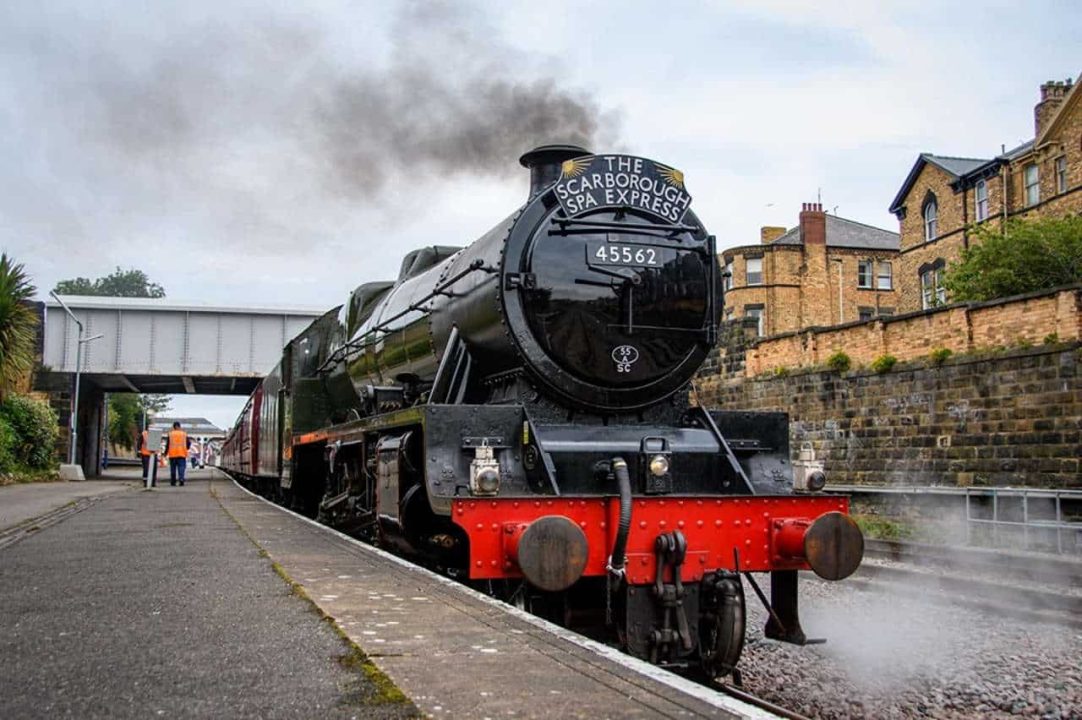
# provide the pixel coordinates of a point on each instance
(745, 696)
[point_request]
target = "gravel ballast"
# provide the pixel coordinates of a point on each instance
(889, 656)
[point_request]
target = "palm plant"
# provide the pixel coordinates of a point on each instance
(18, 323)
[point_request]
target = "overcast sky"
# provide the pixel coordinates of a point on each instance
(254, 152)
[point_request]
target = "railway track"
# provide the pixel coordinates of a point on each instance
(1025, 586)
(1023, 567)
(766, 705)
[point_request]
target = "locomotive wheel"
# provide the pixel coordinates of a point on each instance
(721, 624)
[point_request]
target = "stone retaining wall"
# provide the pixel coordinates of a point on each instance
(1012, 417)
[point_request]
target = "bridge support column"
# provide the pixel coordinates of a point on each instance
(92, 430)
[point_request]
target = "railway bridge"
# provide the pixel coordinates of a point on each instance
(145, 345)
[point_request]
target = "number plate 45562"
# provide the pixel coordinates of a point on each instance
(634, 255)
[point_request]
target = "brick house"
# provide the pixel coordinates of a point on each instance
(827, 270)
(943, 198)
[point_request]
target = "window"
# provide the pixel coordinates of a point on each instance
(981, 195)
(932, 292)
(931, 210)
(864, 274)
(867, 313)
(755, 311)
(884, 280)
(755, 271)
(1033, 185)
(1061, 174)
(727, 280)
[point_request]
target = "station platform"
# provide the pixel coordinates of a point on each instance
(198, 601)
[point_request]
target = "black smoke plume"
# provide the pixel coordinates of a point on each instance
(449, 99)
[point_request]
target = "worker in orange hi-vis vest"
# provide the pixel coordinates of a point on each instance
(176, 449)
(144, 452)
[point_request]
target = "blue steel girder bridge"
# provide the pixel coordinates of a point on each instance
(156, 346)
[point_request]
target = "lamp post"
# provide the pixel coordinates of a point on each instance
(73, 423)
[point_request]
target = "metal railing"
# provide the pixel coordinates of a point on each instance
(1028, 524)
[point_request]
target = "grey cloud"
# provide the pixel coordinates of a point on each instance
(224, 125)
(451, 98)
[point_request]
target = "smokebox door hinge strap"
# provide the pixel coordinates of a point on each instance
(513, 281)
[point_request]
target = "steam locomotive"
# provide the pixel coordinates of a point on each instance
(515, 413)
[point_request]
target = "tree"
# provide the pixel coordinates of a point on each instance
(1029, 255)
(126, 416)
(119, 283)
(18, 323)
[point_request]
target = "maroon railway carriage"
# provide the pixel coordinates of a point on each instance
(515, 413)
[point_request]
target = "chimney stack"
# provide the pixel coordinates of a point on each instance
(813, 224)
(1052, 94)
(768, 234)
(544, 163)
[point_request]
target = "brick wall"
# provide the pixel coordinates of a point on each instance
(994, 413)
(965, 327)
(1014, 418)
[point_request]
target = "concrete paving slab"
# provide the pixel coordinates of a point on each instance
(455, 652)
(153, 603)
(20, 503)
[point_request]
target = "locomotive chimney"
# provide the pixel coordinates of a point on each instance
(544, 164)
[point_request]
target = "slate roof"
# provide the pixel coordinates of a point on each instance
(967, 171)
(991, 166)
(956, 166)
(1020, 150)
(842, 233)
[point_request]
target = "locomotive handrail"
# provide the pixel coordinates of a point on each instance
(364, 340)
(670, 227)
(720, 437)
(712, 289)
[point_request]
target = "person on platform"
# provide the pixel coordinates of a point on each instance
(176, 449)
(145, 452)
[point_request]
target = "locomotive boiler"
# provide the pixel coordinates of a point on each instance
(515, 413)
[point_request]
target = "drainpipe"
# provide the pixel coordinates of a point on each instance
(965, 217)
(841, 305)
(1003, 225)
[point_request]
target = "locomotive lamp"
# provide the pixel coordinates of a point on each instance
(808, 473)
(655, 464)
(484, 472)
